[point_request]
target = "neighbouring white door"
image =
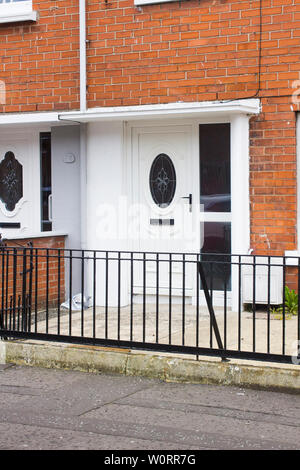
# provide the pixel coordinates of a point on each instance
(19, 187)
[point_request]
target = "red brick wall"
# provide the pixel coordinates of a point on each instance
(273, 185)
(39, 62)
(179, 51)
(39, 271)
(190, 50)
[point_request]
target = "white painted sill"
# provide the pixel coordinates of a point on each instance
(150, 2)
(17, 17)
(24, 236)
(16, 11)
(293, 260)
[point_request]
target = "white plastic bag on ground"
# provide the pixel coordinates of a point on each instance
(76, 302)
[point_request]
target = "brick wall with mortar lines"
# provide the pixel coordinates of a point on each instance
(190, 50)
(273, 183)
(39, 62)
(179, 51)
(39, 263)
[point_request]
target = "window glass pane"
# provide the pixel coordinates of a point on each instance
(45, 149)
(215, 167)
(217, 243)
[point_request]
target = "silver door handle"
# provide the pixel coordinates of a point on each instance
(190, 198)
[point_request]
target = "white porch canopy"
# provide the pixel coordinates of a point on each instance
(157, 111)
(163, 111)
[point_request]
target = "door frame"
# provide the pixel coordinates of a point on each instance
(240, 197)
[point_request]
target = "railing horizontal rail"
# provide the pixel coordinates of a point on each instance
(161, 260)
(192, 253)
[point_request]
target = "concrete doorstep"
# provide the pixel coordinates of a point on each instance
(166, 367)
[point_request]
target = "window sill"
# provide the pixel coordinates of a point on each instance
(32, 235)
(150, 2)
(294, 257)
(14, 18)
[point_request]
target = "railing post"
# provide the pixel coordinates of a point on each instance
(24, 300)
(2, 288)
(30, 287)
(298, 319)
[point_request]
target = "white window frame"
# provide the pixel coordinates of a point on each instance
(17, 11)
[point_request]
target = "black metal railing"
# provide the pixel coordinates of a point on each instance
(228, 306)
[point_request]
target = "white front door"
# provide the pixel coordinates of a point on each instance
(163, 191)
(181, 185)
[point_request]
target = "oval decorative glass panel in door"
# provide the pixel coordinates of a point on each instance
(162, 180)
(11, 181)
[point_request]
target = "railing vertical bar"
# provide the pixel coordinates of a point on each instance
(36, 291)
(225, 312)
(283, 306)
(298, 319)
(211, 296)
(24, 310)
(144, 297)
(58, 292)
(119, 294)
(6, 286)
(183, 299)
(19, 312)
(70, 290)
(27, 311)
(157, 297)
(131, 297)
(170, 298)
(47, 290)
(106, 296)
(197, 306)
(268, 308)
(30, 287)
(240, 304)
(254, 305)
(15, 259)
(94, 293)
(3, 251)
(10, 313)
(5, 315)
(82, 293)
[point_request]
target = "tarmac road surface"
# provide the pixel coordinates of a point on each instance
(51, 409)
